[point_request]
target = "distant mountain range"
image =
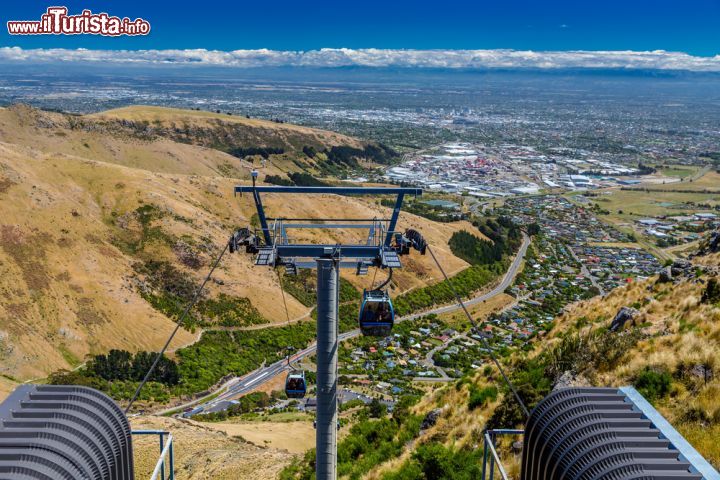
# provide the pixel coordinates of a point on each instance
(501, 59)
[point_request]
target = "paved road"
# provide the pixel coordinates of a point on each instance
(500, 288)
(239, 386)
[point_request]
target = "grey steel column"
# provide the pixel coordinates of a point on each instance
(327, 359)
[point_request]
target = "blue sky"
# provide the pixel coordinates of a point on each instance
(686, 26)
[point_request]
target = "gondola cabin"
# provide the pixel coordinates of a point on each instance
(377, 315)
(295, 385)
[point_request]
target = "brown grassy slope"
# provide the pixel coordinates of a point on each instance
(712, 260)
(164, 140)
(202, 453)
(112, 143)
(67, 290)
(225, 132)
(293, 436)
(679, 328)
(261, 132)
(6, 386)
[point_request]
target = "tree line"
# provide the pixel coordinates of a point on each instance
(504, 239)
(264, 152)
(300, 179)
(349, 156)
(123, 365)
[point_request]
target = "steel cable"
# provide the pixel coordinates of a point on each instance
(179, 324)
(482, 338)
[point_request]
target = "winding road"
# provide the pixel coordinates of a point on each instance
(239, 386)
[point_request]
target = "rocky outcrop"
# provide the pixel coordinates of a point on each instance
(625, 315)
(665, 275)
(704, 372)
(188, 255)
(711, 244)
(430, 419)
(681, 268)
(571, 379)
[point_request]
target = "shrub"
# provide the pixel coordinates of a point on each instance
(219, 353)
(464, 283)
(437, 462)
(278, 180)
(229, 311)
(264, 152)
(369, 443)
(712, 292)
(479, 397)
(303, 179)
(473, 249)
(653, 384)
(351, 404)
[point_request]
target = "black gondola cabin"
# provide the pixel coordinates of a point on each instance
(295, 386)
(377, 315)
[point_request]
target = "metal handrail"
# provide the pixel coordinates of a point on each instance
(278, 232)
(490, 452)
(166, 451)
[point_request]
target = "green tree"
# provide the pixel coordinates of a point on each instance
(533, 229)
(376, 409)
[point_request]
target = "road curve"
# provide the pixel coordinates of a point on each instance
(242, 385)
(500, 288)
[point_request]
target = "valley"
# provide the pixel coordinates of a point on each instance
(110, 221)
(95, 240)
(458, 240)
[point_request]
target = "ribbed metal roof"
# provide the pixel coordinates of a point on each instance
(597, 433)
(63, 432)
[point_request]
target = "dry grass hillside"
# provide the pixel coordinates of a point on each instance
(710, 260)
(66, 290)
(168, 140)
(260, 132)
(680, 341)
(457, 425)
(202, 453)
(670, 351)
(82, 227)
(111, 142)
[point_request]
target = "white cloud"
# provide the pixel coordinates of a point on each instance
(371, 57)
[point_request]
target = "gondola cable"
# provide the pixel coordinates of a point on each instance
(387, 280)
(287, 313)
(295, 383)
(179, 324)
(483, 339)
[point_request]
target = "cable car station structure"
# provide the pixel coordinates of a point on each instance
(382, 248)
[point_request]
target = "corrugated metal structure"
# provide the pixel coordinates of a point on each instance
(52, 432)
(604, 433)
